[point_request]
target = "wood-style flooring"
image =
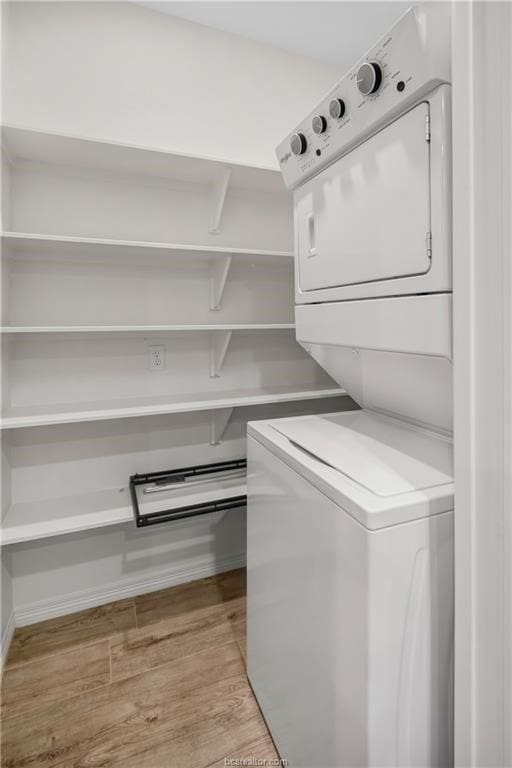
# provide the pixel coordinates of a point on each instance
(157, 681)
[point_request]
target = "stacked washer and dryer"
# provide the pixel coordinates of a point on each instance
(350, 515)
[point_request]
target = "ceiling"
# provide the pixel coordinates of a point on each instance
(335, 32)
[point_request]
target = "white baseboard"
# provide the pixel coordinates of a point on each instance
(5, 641)
(90, 598)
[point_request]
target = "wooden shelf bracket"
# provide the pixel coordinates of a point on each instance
(219, 344)
(219, 274)
(218, 423)
(219, 193)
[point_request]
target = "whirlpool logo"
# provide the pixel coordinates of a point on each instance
(284, 159)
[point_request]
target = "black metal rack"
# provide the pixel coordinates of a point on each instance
(176, 477)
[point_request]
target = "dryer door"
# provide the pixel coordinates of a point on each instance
(367, 217)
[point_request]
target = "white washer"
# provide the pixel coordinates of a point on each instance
(350, 586)
(350, 590)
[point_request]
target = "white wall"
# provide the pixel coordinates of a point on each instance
(482, 125)
(6, 592)
(123, 72)
(6, 607)
(62, 575)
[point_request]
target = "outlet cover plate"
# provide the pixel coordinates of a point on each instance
(156, 357)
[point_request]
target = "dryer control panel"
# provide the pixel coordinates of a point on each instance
(407, 63)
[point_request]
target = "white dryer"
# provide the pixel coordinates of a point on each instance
(350, 585)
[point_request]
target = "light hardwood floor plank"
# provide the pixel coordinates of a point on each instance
(141, 649)
(131, 716)
(154, 682)
(213, 733)
(66, 632)
(236, 609)
(193, 744)
(173, 602)
(261, 749)
(29, 686)
(240, 634)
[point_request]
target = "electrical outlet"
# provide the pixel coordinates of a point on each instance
(156, 357)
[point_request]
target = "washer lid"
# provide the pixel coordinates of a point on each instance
(384, 456)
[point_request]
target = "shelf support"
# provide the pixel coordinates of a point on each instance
(219, 274)
(218, 423)
(219, 193)
(218, 347)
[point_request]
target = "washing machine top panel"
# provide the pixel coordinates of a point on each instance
(378, 469)
(383, 457)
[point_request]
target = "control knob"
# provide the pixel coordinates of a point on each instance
(336, 108)
(298, 144)
(369, 77)
(319, 124)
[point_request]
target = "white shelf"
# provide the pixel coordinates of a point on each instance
(72, 514)
(69, 413)
(76, 247)
(48, 147)
(144, 329)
